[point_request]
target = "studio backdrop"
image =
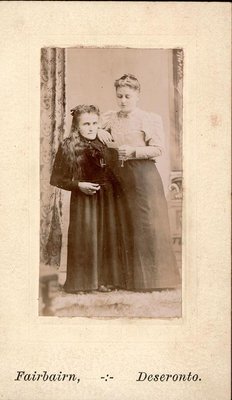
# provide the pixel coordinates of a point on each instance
(86, 76)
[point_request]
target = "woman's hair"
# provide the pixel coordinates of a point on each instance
(73, 143)
(128, 80)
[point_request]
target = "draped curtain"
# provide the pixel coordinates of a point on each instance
(178, 59)
(52, 133)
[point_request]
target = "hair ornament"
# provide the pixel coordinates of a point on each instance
(72, 111)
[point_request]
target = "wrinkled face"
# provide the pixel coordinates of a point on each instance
(127, 98)
(88, 125)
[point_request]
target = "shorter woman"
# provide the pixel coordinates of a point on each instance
(94, 247)
(144, 221)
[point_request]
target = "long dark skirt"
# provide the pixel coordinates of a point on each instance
(94, 243)
(144, 226)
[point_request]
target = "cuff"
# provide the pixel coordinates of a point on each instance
(74, 185)
(147, 152)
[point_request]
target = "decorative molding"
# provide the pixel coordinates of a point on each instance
(175, 186)
(175, 212)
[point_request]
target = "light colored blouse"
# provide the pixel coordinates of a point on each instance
(139, 129)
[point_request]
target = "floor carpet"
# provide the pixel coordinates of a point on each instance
(157, 304)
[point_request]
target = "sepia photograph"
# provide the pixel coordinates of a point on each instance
(115, 196)
(111, 182)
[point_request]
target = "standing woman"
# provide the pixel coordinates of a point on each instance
(94, 259)
(142, 205)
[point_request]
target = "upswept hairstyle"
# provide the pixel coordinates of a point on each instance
(128, 80)
(73, 143)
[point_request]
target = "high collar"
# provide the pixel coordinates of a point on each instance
(94, 144)
(129, 114)
(86, 140)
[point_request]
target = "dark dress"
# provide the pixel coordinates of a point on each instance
(144, 224)
(94, 243)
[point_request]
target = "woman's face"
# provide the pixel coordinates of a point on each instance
(88, 125)
(127, 98)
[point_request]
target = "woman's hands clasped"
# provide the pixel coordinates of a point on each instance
(89, 188)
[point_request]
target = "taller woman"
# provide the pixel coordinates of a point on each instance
(142, 205)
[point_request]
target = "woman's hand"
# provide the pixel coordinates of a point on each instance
(126, 151)
(104, 136)
(89, 188)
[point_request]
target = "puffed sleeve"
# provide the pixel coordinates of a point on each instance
(62, 174)
(104, 129)
(105, 120)
(153, 130)
(152, 127)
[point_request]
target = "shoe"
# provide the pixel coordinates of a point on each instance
(104, 289)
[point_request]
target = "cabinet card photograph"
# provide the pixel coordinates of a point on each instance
(111, 182)
(115, 197)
